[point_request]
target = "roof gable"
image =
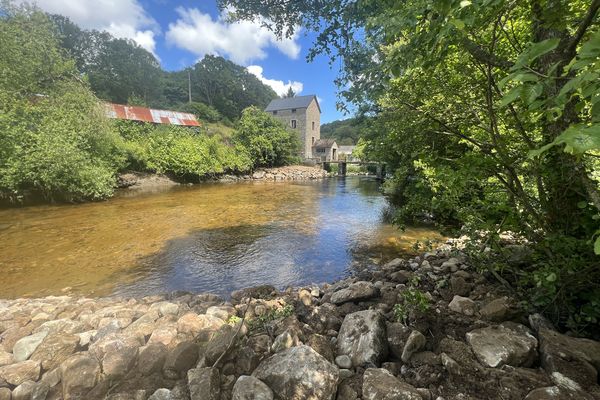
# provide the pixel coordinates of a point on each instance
(324, 143)
(292, 102)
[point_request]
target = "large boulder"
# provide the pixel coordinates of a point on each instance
(361, 290)
(380, 384)
(463, 305)
(299, 373)
(251, 388)
(79, 374)
(192, 323)
(362, 337)
(119, 358)
(55, 349)
(505, 344)
(204, 384)
(15, 374)
(397, 333)
(257, 292)
(152, 358)
(496, 310)
(183, 357)
(415, 342)
(27, 345)
(575, 358)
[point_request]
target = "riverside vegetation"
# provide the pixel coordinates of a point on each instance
(56, 142)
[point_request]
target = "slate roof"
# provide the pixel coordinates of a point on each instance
(292, 102)
(324, 143)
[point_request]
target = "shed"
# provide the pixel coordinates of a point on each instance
(144, 114)
(325, 150)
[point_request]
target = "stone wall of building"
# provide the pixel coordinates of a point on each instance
(312, 135)
(304, 118)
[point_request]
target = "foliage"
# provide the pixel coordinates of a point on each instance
(260, 322)
(345, 132)
(54, 138)
(269, 142)
(179, 151)
(203, 112)
(290, 93)
(413, 301)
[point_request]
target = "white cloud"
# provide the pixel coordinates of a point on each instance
(320, 100)
(241, 42)
(121, 18)
(280, 87)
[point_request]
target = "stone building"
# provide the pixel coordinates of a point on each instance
(345, 153)
(325, 150)
(301, 114)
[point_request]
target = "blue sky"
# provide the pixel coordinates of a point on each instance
(181, 32)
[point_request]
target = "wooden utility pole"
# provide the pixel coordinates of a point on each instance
(189, 87)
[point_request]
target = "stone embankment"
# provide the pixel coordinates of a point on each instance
(420, 329)
(144, 181)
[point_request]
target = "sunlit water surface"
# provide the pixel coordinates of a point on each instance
(204, 238)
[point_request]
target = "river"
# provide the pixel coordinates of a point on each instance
(203, 238)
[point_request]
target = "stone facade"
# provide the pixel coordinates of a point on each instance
(302, 115)
(325, 150)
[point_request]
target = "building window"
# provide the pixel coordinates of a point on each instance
(313, 125)
(274, 112)
(293, 123)
(313, 138)
(293, 110)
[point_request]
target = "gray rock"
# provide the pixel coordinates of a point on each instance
(284, 341)
(496, 310)
(204, 384)
(54, 349)
(299, 373)
(380, 384)
(346, 392)
(161, 394)
(6, 358)
(401, 276)
(345, 373)
(219, 343)
(451, 366)
(24, 391)
(5, 394)
(79, 374)
(397, 333)
(15, 374)
(362, 337)
(577, 359)
(183, 357)
(361, 290)
(250, 388)
(343, 361)
(504, 344)
(25, 347)
(463, 305)
(321, 345)
(221, 312)
(193, 323)
(165, 308)
(119, 358)
(415, 342)
(257, 292)
(152, 358)
(460, 286)
(557, 393)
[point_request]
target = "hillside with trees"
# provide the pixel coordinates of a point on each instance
(345, 132)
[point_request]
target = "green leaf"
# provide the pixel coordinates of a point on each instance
(511, 96)
(465, 3)
(535, 51)
(582, 204)
(460, 25)
(551, 277)
(597, 246)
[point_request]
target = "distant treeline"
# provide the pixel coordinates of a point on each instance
(345, 132)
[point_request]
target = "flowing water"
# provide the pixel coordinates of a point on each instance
(204, 238)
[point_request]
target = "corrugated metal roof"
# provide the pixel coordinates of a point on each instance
(143, 114)
(324, 143)
(292, 102)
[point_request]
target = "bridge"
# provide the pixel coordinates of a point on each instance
(343, 167)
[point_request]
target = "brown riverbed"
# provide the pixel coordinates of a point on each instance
(210, 237)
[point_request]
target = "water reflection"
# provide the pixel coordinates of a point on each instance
(213, 237)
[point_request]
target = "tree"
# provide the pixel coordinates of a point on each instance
(270, 143)
(290, 93)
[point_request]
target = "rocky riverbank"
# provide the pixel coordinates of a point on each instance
(144, 181)
(423, 328)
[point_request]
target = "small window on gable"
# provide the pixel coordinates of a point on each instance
(313, 125)
(274, 112)
(293, 110)
(293, 123)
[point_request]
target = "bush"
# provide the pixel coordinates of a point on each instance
(203, 111)
(270, 144)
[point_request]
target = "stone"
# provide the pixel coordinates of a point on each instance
(284, 341)
(305, 297)
(152, 358)
(496, 310)
(250, 388)
(415, 342)
(165, 308)
(24, 391)
(204, 384)
(119, 358)
(161, 394)
(79, 374)
(380, 384)
(425, 358)
(397, 333)
(193, 323)
(5, 393)
(6, 358)
(321, 345)
(504, 344)
(463, 305)
(357, 291)
(362, 337)
(450, 364)
(85, 338)
(55, 349)
(343, 361)
(256, 292)
(163, 335)
(557, 393)
(346, 392)
(15, 374)
(394, 264)
(221, 312)
(25, 347)
(183, 357)
(51, 378)
(219, 343)
(575, 358)
(460, 286)
(401, 276)
(61, 326)
(299, 373)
